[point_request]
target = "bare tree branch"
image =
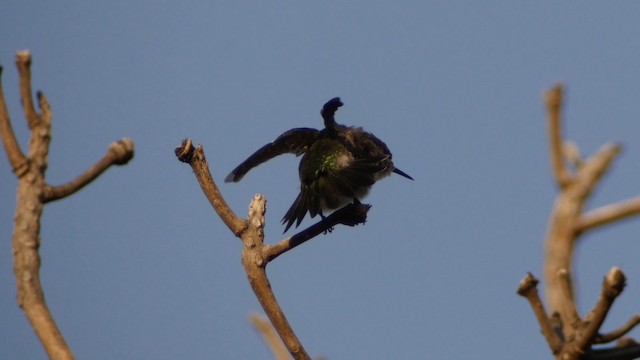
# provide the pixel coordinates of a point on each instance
(528, 289)
(29, 206)
(572, 317)
(119, 153)
(23, 62)
(251, 232)
(350, 215)
(553, 99)
(608, 214)
(255, 253)
(561, 236)
(270, 336)
(16, 158)
(612, 286)
(619, 332)
(574, 336)
(195, 157)
(30, 201)
(255, 267)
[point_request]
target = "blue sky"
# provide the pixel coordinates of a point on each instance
(138, 266)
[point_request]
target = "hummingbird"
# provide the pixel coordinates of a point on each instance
(339, 164)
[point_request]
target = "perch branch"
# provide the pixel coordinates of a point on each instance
(270, 337)
(251, 232)
(119, 153)
(608, 214)
(350, 215)
(627, 352)
(529, 289)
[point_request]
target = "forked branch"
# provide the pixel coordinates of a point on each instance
(529, 289)
(574, 336)
(255, 253)
(33, 191)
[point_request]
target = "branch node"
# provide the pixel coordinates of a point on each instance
(526, 284)
(122, 151)
(554, 97)
(22, 168)
(614, 283)
(24, 56)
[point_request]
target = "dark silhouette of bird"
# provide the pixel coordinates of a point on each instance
(339, 164)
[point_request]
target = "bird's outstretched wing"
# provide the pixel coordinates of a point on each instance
(295, 141)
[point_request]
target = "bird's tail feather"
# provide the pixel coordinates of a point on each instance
(296, 212)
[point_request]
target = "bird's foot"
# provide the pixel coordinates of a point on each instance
(323, 219)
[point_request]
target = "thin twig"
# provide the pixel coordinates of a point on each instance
(619, 332)
(608, 214)
(16, 158)
(270, 337)
(23, 62)
(553, 99)
(528, 289)
(612, 286)
(595, 167)
(572, 317)
(119, 153)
